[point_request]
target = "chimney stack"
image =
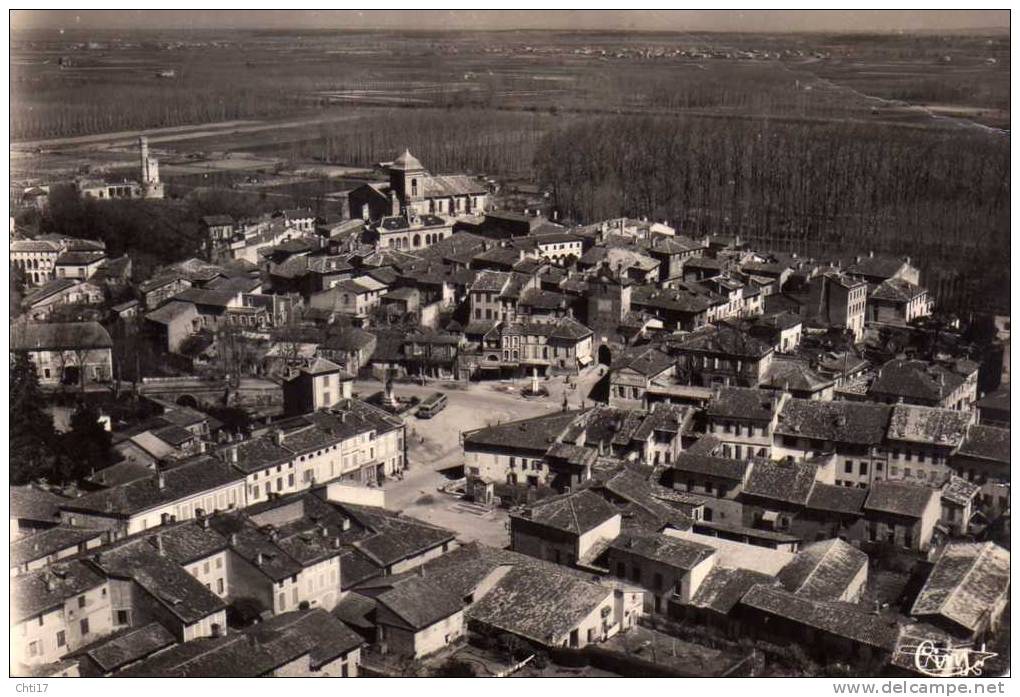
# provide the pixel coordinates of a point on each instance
(159, 545)
(258, 559)
(161, 481)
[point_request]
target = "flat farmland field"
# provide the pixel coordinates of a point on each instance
(799, 142)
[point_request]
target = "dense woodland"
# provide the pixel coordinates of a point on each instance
(940, 197)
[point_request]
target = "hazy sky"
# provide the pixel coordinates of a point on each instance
(645, 20)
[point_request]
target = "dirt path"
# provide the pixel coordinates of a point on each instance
(103, 141)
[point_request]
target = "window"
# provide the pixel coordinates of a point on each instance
(81, 601)
(658, 581)
(123, 617)
(61, 638)
(848, 467)
(863, 468)
(343, 670)
(34, 648)
(205, 568)
(84, 624)
(283, 600)
(635, 574)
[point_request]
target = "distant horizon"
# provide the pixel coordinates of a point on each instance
(884, 22)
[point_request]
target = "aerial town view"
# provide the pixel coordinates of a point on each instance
(492, 343)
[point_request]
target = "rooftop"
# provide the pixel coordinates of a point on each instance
(837, 619)
(161, 577)
(255, 651)
(116, 652)
(986, 443)
(917, 380)
(967, 580)
(43, 544)
(823, 570)
(743, 403)
(916, 424)
(899, 498)
(36, 592)
(419, 602)
(576, 513)
(59, 335)
(534, 434)
(673, 551)
(842, 421)
(790, 482)
(194, 476)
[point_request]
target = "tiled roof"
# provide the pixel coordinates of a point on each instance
(59, 335)
(646, 360)
(916, 424)
(792, 374)
(959, 491)
(876, 266)
(672, 551)
(838, 619)
(255, 454)
(743, 403)
(192, 477)
(899, 498)
(29, 503)
(130, 646)
(49, 289)
(171, 311)
(896, 290)
(255, 651)
(837, 499)
(576, 513)
(163, 579)
(723, 588)
(986, 443)
(189, 541)
(536, 433)
(723, 339)
(967, 580)
(538, 602)
(790, 482)
(841, 422)
(38, 591)
(79, 258)
(34, 246)
(396, 537)
(721, 467)
(915, 380)
(683, 300)
(42, 544)
(823, 570)
(419, 602)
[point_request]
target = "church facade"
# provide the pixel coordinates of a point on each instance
(412, 190)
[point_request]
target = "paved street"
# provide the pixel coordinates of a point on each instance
(434, 445)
